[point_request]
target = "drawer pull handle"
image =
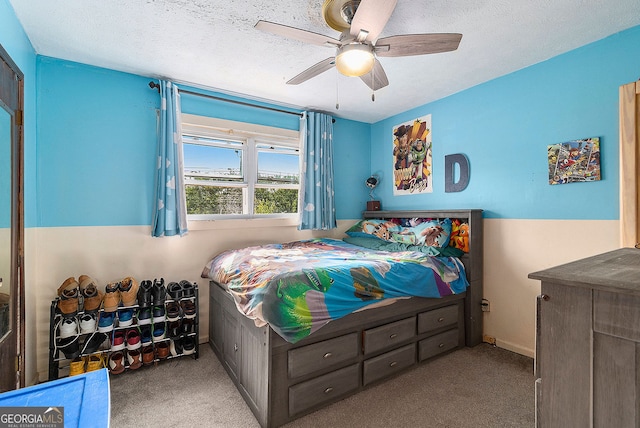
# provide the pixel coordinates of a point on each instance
(440, 319)
(328, 390)
(327, 355)
(441, 345)
(393, 364)
(393, 336)
(545, 297)
(235, 347)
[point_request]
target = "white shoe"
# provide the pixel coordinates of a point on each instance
(87, 323)
(68, 328)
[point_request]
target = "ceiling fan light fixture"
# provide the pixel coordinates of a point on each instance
(355, 59)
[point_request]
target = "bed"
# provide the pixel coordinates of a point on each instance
(290, 353)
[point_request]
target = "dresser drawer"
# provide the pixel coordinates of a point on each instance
(437, 318)
(322, 389)
(388, 335)
(319, 356)
(617, 314)
(388, 363)
(434, 345)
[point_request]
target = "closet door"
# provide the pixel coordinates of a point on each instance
(630, 164)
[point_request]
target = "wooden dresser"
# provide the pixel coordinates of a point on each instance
(588, 342)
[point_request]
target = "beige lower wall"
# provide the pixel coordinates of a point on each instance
(513, 249)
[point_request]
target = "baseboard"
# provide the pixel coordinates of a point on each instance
(515, 348)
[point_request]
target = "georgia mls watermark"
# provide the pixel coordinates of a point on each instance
(31, 417)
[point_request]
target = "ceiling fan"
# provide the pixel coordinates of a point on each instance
(360, 23)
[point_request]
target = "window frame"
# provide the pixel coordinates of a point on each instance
(251, 136)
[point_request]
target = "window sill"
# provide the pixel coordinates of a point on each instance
(245, 223)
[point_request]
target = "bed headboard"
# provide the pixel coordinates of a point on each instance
(473, 261)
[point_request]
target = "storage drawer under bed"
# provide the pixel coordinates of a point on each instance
(388, 335)
(437, 318)
(319, 390)
(388, 363)
(322, 355)
(434, 345)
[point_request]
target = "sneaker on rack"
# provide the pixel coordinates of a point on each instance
(148, 355)
(188, 326)
(77, 366)
(105, 323)
(87, 323)
(68, 328)
(92, 297)
(188, 308)
(111, 299)
(133, 339)
(188, 289)
(189, 345)
(174, 328)
(174, 290)
(175, 346)
(159, 292)
(145, 335)
(128, 291)
(162, 350)
(95, 362)
(116, 363)
(69, 347)
(134, 359)
(68, 298)
(173, 311)
(144, 316)
(145, 294)
(125, 317)
(158, 331)
(92, 344)
(158, 314)
(118, 340)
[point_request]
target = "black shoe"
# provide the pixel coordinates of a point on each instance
(173, 311)
(144, 294)
(69, 347)
(175, 290)
(175, 329)
(188, 326)
(188, 289)
(176, 346)
(159, 292)
(93, 343)
(189, 345)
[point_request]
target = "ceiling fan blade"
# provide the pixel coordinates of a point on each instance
(313, 71)
(371, 16)
(417, 44)
(297, 34)
(376, 78)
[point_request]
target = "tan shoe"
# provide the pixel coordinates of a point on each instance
(111, 299)
(89, 291)
(148, 355)
(68, 297)
(128, 291)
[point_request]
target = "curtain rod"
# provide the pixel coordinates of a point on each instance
(154, 85)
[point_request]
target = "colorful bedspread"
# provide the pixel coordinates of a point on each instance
(300, 286)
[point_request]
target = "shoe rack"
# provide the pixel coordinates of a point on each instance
(178, 317)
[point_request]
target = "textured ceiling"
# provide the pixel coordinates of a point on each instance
(213, 44)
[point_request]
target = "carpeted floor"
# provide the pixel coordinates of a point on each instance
(475, 387)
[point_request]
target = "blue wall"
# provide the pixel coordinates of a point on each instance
(14, 40)
(504, 127)
(97, 145)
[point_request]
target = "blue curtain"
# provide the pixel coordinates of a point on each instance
(317, 199)
(170, 207)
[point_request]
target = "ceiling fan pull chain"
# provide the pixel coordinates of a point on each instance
(337, 82)
(373, 84)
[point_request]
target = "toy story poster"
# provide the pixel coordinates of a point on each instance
(412, 162)
(574, 161)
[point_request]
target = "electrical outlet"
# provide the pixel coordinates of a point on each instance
(486, 306)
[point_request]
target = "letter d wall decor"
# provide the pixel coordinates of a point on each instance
(450, 185)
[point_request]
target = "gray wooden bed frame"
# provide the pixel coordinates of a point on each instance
(281, 381)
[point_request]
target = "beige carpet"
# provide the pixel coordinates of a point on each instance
(472, 387)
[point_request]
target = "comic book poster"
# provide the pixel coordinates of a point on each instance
(412, 157)
(574, 161)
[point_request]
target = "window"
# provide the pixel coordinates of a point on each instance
(243, 171)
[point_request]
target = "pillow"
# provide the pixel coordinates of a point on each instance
(374, 243)
(430, 233)
(382, 229)
(433, 233)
